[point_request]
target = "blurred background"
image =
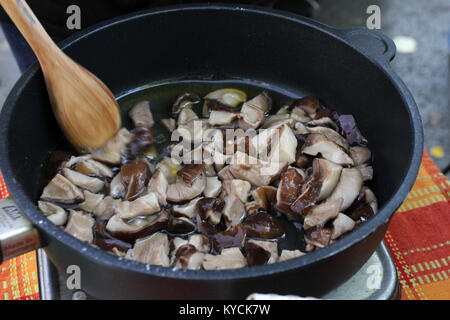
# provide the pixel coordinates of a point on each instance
(419, 28)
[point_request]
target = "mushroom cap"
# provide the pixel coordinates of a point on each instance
(62, 190)
(158, 184)
(317, 143)
(330, 173)
(142, 206)
(288, 190)
(191, 182)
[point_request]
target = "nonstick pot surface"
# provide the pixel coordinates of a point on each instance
(219, 43)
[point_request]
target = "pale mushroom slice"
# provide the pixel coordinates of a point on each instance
(324, 121)
(251, 117)
(85, 182)
(348, 187)
(300, 128)
(111, 151)
(141, 114)
(238, 187)
(255, 171)
(200, 242)
(92, 167)
(225, 173)
(188, 210)
(186, 115)
(230, 258)
(233, 211)
(262, 101)
(174, 244)
(290, 254)
(228, 96)
(221, 117)
(360, 155)
(158, 184)
(341, 225)
(106, 208)
(169, 168)
(308, 103)
(298, 114)
(269, 246)
(62, 190)
(318, 215)
(142, 206)
(317, 143)
(331, 135)
(190, 183)
(188, 257)
(277, 120)
(213, 187)
(265, 197)
(151, 250)
(366, 171)
(370, 199)
(329, 173)
(54, 213)
(80, 225)
(91, 200)
(116, 187)
(133, 229)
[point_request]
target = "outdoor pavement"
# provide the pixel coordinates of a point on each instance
(425, 71)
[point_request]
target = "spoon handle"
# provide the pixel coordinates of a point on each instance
(30, 27)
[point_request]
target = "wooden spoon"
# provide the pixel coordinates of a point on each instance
(85, 108)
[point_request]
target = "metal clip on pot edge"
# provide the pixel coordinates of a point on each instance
(17, 234)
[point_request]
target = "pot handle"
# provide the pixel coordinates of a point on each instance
(17, 233)
(371, 42)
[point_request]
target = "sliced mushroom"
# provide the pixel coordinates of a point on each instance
(170, 124)
(265, 197)
(288, 190)
(330, 173)
(221, 117)
(331, 135)
(141, 114)
(135, 177)
(209, 214)
(61, 190)
(200, 242)
(142, 206)
(254, 256)
(238, 187)
(92, 167)
(190, 183)
(228, 96)
(360, 155)
(261, 225)
(348, 129)
(111, 151)
(188, 257)
(91, 200)
(83, 181)
(318, 236)
(300, 128)
(80, 225)
(136, 228)
(141, 144)
(255, 171)
(158, 184)
(290, 254)
(277, 120)
(300, 115)
(341, 225)
(283, 145)
(262, 101)
(116, 187)
(233, 211)
(186, 115)
(309, 104)
(347, 188)
(317, 143)
(188, 210)
(180, 225)
(169, 167)
(251, 117)
(184, 100)
(225, 173)
(318, 215)
(152, 250)
(234, 236)
(366, 171)
(54, 213)
(213, 187)
(106, 208)
(229, 258)
(370, 199)
(322, 122)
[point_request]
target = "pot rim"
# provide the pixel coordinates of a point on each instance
(29, 207)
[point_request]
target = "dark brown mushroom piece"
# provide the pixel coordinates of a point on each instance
(135, 177)
(210, 215)
(318, 236)
(265, 197)
(261, 252)
(261, 225)
(184, 100)
(129, 231)
(140, 144)
(348, 128)
(288, 190)
(61, 190)
(181, 225)
(232, 237)
(309, 104)
(188, 257)
(105, 241)
(361, 209)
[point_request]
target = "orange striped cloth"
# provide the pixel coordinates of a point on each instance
(418, 239)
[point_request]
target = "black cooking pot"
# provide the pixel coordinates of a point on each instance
(348, 69)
